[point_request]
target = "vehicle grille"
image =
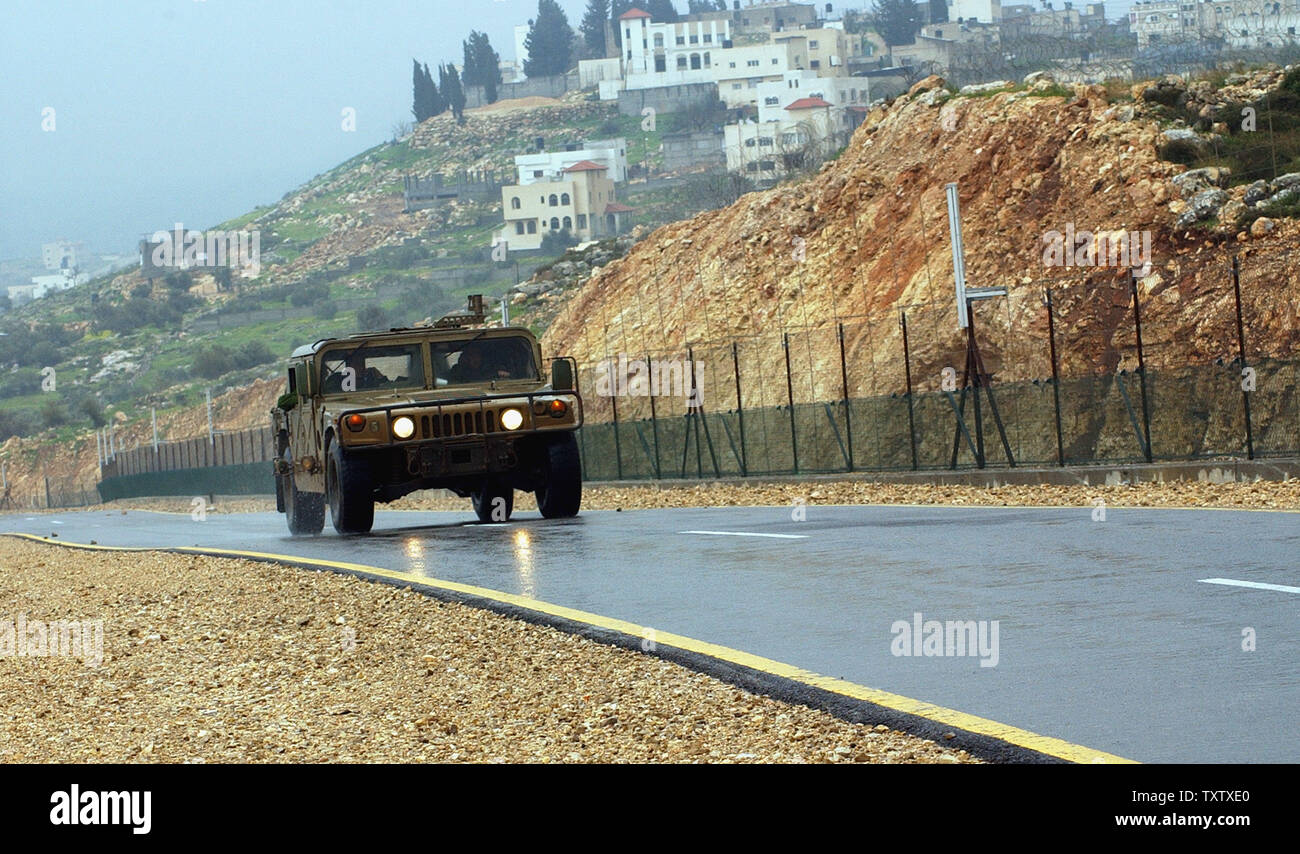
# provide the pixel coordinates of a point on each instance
(453, 424)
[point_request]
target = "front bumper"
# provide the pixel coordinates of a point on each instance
(457, 438)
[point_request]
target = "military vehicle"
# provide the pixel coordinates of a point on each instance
(457, 405)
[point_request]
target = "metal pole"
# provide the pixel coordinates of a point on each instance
(740, 410)
(1056, 379)
(703, 419)
(99, 449)
(654, 418)
(618, 449)
(977, 382)
(212, 442)
(911, 416)
(789, 391)
(1142, 368)
(1241, 346)
(848, 416)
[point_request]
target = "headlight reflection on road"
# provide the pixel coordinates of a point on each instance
(415, 554)
(523, 544)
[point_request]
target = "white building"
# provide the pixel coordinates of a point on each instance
(63, 255)
(44, 285)
(552, 165)
(696, 51)
(809, 129)
(581, 202)
(521, 53)
(1239, 23)
(984, 11)
(840, 92)
(650, 48)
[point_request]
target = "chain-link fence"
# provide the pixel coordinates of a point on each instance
(1064, 371)
(1084, 368)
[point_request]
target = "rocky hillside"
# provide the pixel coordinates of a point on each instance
(869, 235)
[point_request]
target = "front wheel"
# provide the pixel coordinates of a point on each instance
(305, 511)
(494, 502)
(350, 489)
(560, 494)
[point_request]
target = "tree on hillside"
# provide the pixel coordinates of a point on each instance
(437, 103)
(897, 21)
(426, 101)
(452, 91)
(661, 11)
(420, 100)
(592, 28)
(482, 65)
(549, 42)
(616, 10)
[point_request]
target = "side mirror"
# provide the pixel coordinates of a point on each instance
(564, 374)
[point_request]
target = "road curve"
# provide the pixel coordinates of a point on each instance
(1128, 635)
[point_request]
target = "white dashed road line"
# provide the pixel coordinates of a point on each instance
(1254, 585)
(747, 534)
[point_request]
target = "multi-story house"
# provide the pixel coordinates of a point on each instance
(581, 200)
(550, 165)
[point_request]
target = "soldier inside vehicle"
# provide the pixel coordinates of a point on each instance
(372, 369)
(481, 361)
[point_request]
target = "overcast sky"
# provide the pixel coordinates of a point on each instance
(195, 111)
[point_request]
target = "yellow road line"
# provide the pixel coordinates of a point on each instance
(1046, 745)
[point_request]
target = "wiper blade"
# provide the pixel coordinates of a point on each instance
(350, 357)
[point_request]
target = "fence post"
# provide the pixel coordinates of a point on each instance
(1241, 346)
(1142, 368)
(844, 386)
(740, 410)
(1056, 379)
(789, 392)
(618, 449)
(654, 415)
(911, 415)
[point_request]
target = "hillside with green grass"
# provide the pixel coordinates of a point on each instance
(339, 254)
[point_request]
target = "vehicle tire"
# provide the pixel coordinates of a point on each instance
(349, 488)
(281, 445)
(305, 511)
(486, 501)
(560, 494)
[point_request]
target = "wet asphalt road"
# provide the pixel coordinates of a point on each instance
(1107, 635)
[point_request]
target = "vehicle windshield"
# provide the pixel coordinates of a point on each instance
(372, 368)
(482, 360)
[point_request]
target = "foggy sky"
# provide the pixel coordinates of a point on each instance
(196, 111)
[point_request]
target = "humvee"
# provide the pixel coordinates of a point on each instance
(375, 416)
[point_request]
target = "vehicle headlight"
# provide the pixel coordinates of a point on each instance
(403, 427)
(512, 419)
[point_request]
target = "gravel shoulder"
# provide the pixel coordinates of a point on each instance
(218, 660)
